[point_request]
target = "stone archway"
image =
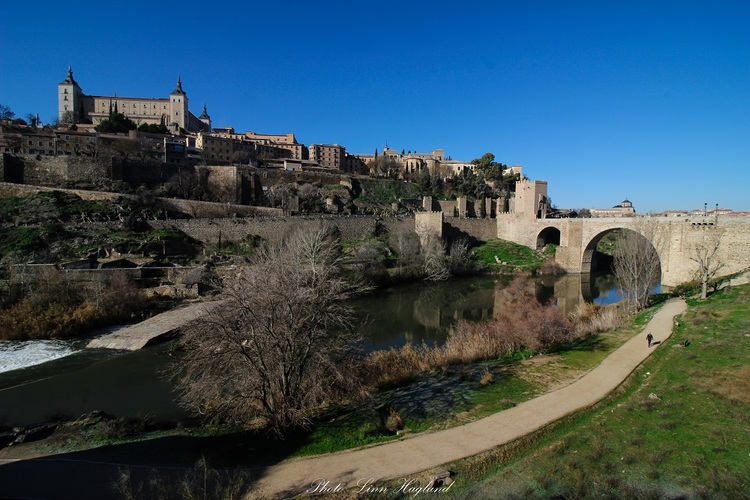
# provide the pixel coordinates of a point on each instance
(546, 236)
(592, 261)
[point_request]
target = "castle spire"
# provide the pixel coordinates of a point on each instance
(69, 79)
(204, 115)
(178, 88)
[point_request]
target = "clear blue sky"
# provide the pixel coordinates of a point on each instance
(604, 100)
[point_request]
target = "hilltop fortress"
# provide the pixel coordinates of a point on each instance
(74, 106)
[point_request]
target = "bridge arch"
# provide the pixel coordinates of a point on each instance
(592, 261)
(546, 236)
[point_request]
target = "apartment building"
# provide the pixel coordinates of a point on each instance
(328, 155)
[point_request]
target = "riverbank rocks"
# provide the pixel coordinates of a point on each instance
(91, 418)
(28, 433)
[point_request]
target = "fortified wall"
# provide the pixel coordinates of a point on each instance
(193, 208)
(274, 229)
(55, 170)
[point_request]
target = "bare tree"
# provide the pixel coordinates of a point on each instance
(434, 261)
(278, 347)
(704, 254)
(636, 264)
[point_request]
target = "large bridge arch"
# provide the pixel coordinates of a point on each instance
(589, 254)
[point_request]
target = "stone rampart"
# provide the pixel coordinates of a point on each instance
(275, 229)
(55, 170)
(193, 208)
(478, 229)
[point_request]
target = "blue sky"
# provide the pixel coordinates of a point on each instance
(604, 100)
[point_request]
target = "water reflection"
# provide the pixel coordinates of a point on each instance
(425, 312)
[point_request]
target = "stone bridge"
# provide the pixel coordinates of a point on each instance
(675, 240)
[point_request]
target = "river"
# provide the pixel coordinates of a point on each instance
(40, 380)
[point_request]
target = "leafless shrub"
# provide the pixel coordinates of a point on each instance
(552, 268)
(279, 346)
(592, 318)
(459, 258)
(434, 262)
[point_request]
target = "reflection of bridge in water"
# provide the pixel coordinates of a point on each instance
(438, 309)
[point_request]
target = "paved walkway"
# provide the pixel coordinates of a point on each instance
(137, 336)
(427, 451)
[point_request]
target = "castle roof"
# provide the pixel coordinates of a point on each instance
(204, 115)
(178, 88)
(69, 79)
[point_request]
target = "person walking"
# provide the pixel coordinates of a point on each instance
(650, 338)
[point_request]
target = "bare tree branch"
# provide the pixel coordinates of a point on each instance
(276, 351)
(704, 254)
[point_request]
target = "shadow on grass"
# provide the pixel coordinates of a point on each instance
(94, 473)
(591, 343)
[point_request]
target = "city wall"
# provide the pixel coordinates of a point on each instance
(275, 229)
(55, 170)
(192, 208)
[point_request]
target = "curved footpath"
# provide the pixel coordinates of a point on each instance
(426, 451)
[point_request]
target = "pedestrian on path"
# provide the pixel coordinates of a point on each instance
(650, 338)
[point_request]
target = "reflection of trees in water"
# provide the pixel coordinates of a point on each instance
(413, 313)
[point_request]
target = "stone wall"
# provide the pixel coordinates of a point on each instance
(274, 229)
(471, 229)
(55, 170)
(198, 209)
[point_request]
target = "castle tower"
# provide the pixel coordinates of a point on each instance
(178, 106)
(205, 119)
(69, 100)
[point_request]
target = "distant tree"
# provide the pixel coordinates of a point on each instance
(636, 264)
(32, 119)
(487, 166)
(6, 113)
(425, 182)
(584, 213)
(116, 123)
(67, 119)
(383, 166)
(153, 128)
(704, 254)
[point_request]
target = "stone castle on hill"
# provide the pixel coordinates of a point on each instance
(76, 107)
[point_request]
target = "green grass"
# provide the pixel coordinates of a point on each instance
(677, 427)
(514, 255)
(21, 239)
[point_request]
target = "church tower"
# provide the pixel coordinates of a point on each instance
(178, 106)
(69, 100)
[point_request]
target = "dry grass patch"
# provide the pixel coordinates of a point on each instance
(732, 384)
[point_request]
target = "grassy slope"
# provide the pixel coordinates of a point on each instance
(679, 426)
(521, 257)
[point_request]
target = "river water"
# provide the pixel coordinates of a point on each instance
(40, 380)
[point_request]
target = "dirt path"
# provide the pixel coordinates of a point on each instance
(427, 451)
